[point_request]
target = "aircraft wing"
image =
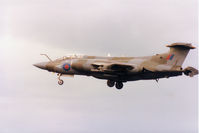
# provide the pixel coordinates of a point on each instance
(121, 67)
(112, 67)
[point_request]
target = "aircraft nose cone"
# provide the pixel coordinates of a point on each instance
(41, 65)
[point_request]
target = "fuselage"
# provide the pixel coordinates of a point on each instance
(83, 65)
(117, 70)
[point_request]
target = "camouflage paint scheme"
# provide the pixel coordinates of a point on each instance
(122, 69)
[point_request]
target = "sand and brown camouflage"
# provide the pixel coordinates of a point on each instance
(123, 69)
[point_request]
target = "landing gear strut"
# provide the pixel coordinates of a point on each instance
(60, 81)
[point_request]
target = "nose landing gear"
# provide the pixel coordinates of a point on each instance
(60, 81)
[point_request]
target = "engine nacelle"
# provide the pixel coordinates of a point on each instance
(82, 66)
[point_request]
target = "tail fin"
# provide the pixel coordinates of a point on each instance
(178, 53)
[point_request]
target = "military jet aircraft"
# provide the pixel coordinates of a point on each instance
(117, 70)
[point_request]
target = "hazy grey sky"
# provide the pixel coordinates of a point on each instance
(30, 99)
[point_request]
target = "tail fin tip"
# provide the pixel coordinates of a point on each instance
(182, 45)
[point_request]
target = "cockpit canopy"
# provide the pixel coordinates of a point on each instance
(74, 56)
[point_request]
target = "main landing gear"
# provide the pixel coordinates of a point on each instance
(118, 85)
(60, 81)
(110, 83)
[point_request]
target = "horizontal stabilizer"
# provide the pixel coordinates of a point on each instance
(182, 45)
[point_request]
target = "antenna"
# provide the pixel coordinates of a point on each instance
(46, 56)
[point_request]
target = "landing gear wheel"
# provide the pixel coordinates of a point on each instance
(119, 85)
(110, 83)
(60, 82)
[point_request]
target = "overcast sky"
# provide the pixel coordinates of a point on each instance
(31, 101)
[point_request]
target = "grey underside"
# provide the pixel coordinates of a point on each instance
(125, 69)
(137, 76)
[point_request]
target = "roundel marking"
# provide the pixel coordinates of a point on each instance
(66, 67)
